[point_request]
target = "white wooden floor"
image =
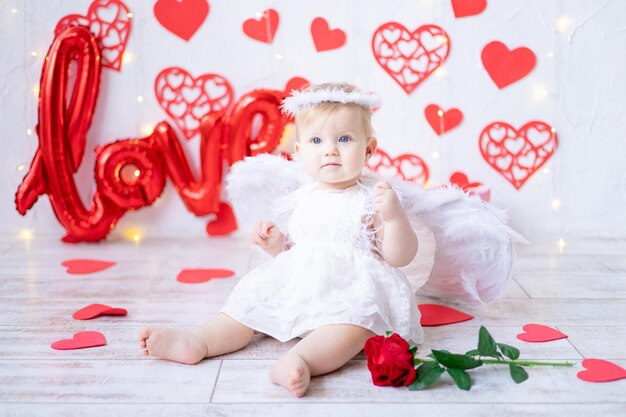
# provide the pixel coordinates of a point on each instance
(582, 292)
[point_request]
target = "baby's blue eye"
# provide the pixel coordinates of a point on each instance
(344, 139)
(316, 141)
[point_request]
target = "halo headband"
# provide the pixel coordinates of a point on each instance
(302, 99)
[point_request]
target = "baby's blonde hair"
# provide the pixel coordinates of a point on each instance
(304, 116)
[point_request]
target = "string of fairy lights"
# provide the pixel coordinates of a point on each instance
(562, 25)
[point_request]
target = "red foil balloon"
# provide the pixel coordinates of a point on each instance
(264, 103)
(62, 133)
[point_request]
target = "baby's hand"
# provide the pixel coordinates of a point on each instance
(266, 235)
(386, 202)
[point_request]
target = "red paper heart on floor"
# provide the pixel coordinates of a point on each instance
(181, 17)
(110, 22)
(517, 154)
(81, 340)
(442, 121)
(94, 310)
(438, 315)
(225, 223)
(264, 28)
(504, 66)
(296, 83)
(196, 276)
(599, 370)
(86, 266)
(324, 38)
(409, 167)
(464, 8)
(540, 333)
(410, 57)
(186, 99)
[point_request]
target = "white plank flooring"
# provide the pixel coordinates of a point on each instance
(581, 291)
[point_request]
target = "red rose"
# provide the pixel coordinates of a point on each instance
(389, 361)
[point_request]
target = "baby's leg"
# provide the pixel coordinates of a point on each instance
(222, 334)
(324, 350)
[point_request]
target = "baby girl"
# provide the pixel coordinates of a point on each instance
(334, 279)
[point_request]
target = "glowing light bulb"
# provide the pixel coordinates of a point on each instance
(539, 92)
(439, 113)
(435, 155)
(133, 234)
(140, 99)
(259, 15)
(553, 130)
(129, 15)
(21, 167)
(148, 129)
(278, 56)
(36, 90)
(561, 244)
(563, 24)
(556, 204)
(127, 57)
(550, 54)
(546, 170)
(33, 53)
(26, 235)
(14, 11)
(137, 173)
(440, 72)
(29, 132)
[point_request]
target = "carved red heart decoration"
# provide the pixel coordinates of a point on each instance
(181, 17)
(438, 315)
(187, 99)
(409, 167)
(94, 310)
(324, 38)
(86, 266)
(410, 57)
(264, 28)
(464, 8)
(196, 276)
(599, 370)
(225, 223)
(504, 66)
(540, 333)
(517, 154)
(296, 83)
(442, 121)
(81, 340)
(110, 22)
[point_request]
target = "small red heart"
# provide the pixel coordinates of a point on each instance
(504, 66)
(324, 38)
(599, 370)
(540, 333)
(86, 266)
(224, 224)
(81, 340)
(296, 83)
(464, 8)
(181, 17)
(438, 315)
(442, 121)
(264, 28)
(196, 276)
(94, 310)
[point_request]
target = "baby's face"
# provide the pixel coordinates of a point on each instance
(334, 148)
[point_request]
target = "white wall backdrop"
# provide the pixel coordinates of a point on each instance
(578, 86)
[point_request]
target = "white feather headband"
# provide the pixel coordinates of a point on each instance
(302, 99)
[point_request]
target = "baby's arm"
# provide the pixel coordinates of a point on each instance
(399, 242)
(267, 236)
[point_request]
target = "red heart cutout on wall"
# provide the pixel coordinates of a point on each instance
(186, 99)
(599, 370)
(81, 340)
(410, 57)
(94, 310)
(296, 83)
(264, 28)
(86, 266)
(517, 154)
(110, 22)
(540, 333)
(505, 66)
(181, 17)
(464, 8)
(224, 224)
(409, 167)
(324, 38)
(196, 276)
(442, 121)
(438, 315)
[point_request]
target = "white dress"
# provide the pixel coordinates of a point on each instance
(331, 274)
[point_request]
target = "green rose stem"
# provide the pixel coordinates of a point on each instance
(418, 361)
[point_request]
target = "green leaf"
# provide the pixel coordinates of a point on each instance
(510, 352)
(473, 352)
(452, 360)
(486, 343)
(518, 373)
(461, 378)
(388, 333)
(427, 374)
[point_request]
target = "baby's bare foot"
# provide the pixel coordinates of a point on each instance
(291, 372)
(182, 346)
